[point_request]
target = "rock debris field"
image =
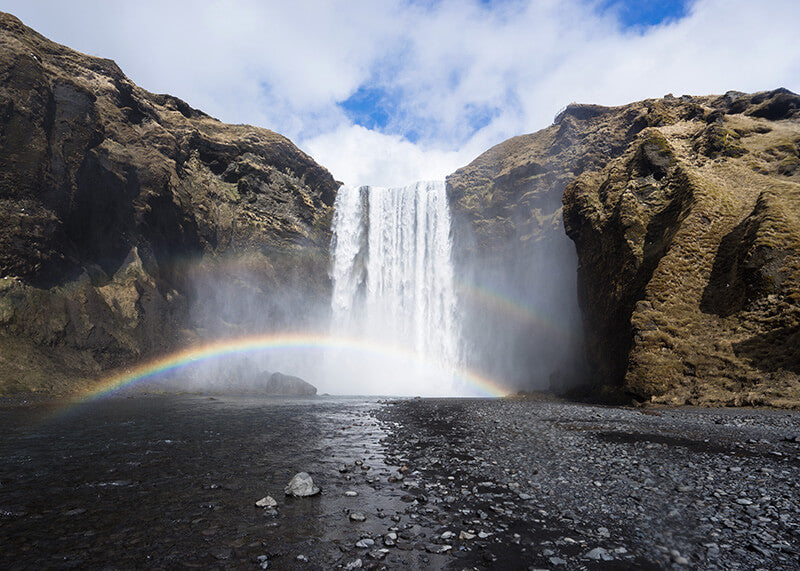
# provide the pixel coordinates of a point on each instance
(192, 481)
(562, 486)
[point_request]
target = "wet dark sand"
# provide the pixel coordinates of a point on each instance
(171, 481)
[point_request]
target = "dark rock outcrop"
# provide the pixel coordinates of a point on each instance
(287, 385)
(684, 213)
(129, 220)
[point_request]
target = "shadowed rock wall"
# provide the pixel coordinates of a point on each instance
(128, 218)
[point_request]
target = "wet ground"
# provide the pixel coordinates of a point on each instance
(166, 481)
(171, 481)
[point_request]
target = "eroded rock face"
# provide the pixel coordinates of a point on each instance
(685, 214)
(128, 218)
(689, 250)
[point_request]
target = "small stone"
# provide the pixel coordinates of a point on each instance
(435, 549)
(447, 535)
(301, 485)
(557, 561)
(351, 493)
(483, 534)
(357, 516)
(267, 502)
(465, 535)
(353, 565)
(365, 543)
(598, 554)
(390, 539)
(378, 554)
(744, 501)
(302, 558)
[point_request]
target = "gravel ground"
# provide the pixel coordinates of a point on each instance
(172, 481)
(516, 484)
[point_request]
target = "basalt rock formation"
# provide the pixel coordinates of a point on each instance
(287, 385)
(685, 214)
(126, 217)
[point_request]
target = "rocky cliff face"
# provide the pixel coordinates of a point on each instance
(685, 215)
(129, 220)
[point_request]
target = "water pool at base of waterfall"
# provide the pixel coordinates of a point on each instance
(172, 480)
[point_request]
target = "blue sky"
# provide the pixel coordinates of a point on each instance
(392, 91)
(645, 13)
(374, 106)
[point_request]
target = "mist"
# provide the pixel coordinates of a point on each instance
(521, 323)
(406, 305)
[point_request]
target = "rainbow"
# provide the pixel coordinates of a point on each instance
(482, 385)
(511, 307)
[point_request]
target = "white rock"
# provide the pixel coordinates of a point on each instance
(267, 502)
(357, 516)
(301, 485)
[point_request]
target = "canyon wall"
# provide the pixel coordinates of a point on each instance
(131, 223)
(685, 217)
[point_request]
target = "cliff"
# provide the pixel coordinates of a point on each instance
(684, 214)
(125, 214)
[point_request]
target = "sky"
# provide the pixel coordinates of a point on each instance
(390, 92)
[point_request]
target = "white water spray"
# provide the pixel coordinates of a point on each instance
(393, 285)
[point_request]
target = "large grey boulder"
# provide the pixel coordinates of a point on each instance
(301, 485)
(287, 385)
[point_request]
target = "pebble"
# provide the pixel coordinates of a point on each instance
(357, 516)
(365, 543)
(598, 554)
(351, 493)
(267, 502)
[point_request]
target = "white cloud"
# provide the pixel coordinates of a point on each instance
(354, 155)
(286, 65)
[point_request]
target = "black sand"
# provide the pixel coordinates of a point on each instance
(171, 481)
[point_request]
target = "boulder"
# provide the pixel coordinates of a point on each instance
(286, 385)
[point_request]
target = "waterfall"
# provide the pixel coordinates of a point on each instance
(393, 287)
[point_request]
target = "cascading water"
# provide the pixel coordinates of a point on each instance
(393, 289)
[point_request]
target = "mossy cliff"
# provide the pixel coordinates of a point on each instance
(122, 214)
(685, 215)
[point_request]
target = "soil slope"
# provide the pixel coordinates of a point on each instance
(125, 216)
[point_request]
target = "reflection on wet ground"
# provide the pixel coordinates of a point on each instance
(165, 481)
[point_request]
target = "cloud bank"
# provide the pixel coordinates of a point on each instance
(391, 92)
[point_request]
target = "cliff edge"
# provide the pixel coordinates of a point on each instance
(123, 214)
(685, 216)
